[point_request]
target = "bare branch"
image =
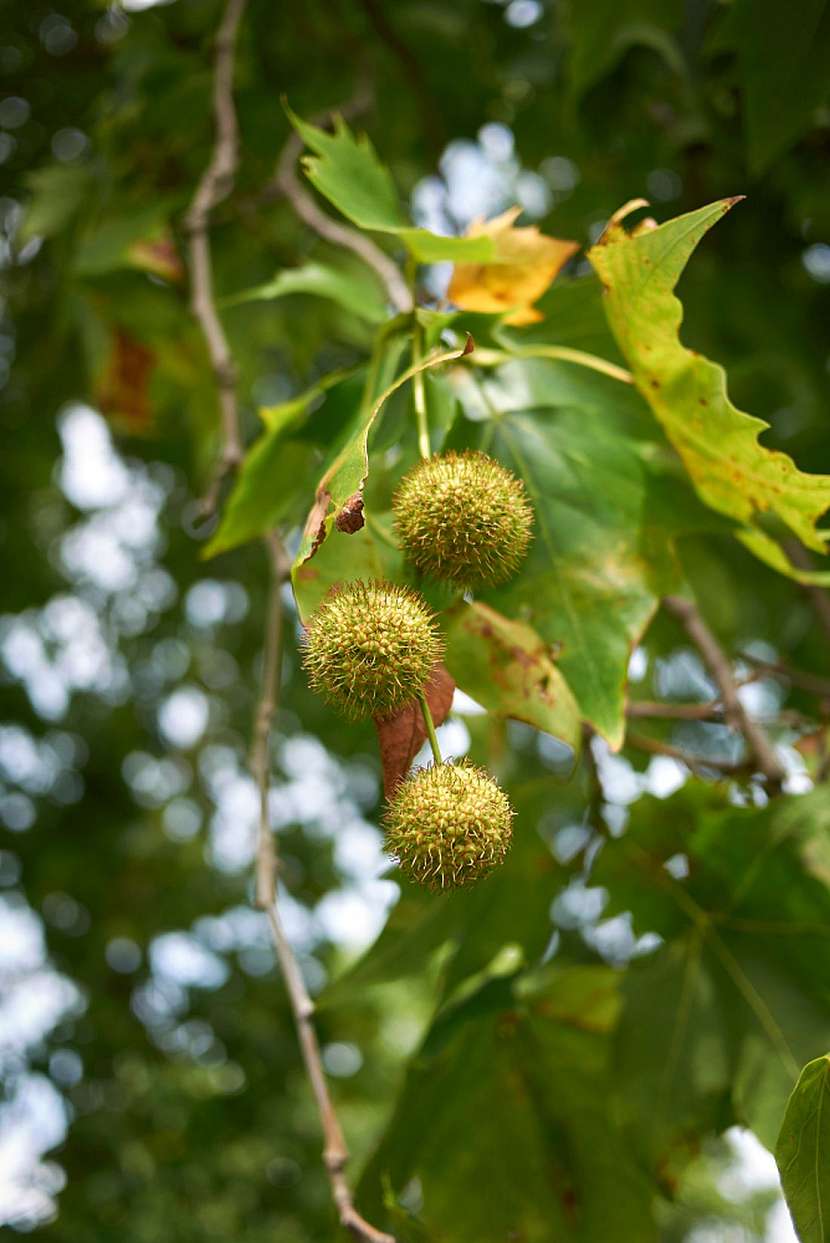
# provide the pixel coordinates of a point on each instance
(676, 712)
(696, 763)
(760, 748)
(335, 1152)
(215, 184)
(810, 682)
(287, 181)
(819, 598)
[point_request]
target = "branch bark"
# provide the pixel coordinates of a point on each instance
(760, 748)
(335, 1152)
(214, 185)
(696, 763)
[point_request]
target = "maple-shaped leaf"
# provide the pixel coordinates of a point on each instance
(719, 444)
(524, 263)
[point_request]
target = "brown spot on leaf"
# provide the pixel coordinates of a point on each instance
(350, 515)
(315, 526)
(401, 736)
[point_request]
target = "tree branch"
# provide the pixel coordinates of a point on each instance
(809, 682)
(215, 184)
(335, 1152)
(696, 763)
(286, 180)
(760, 748)
(712, 711)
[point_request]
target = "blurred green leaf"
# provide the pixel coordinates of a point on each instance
(783, 91)
(58, 191)
(355, 289)
(735, 996)
(507, 1092)
(602, 31)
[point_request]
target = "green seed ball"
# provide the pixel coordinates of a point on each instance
(370, 648)
(448, 825)
(463, 518)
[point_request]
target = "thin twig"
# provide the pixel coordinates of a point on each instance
(735, 714)
(265, 856)
(286, 180)
(335, 1152)
(215, 185)
(819, 598)
(712, 711)
(697, 763)
(798, 677)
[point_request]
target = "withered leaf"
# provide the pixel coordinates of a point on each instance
(401, 736)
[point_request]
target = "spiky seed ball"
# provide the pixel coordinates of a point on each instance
(370, 647)
(448, 825)
(463, 518)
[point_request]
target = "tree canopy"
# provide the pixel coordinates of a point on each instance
(258, 262)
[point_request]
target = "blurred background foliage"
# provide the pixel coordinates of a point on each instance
(152, 1085)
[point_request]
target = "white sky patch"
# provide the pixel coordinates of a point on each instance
(182, 959)
(92, 474)
(183, 717)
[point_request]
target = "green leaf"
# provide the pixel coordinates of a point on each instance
(108, 244)
(348, 464)
(272, 479)
(736, 995)
(602, 31)
(355, 289)
(803, 1152)
(508, 669)
(509, 1095)
(782, 92)
(731, 470)
(58, 192)
(349, 174)
(599, 561)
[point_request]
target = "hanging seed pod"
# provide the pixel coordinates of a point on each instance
(448, 825)
(370, 647)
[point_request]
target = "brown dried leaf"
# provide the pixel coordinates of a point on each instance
(401, 736)
(122, 392)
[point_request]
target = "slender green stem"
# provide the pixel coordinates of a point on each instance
(419, 396)
(560, 353)
(429, 725)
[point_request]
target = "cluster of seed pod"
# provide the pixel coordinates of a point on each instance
(370, 648)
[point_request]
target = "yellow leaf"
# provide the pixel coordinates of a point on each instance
(525, 264)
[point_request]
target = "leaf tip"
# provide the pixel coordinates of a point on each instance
(469, 346)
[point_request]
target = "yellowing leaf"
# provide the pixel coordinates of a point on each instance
(732, 472)
(525, 263)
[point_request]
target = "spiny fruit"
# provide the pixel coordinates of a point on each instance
(448, 825)
(370, 647)
(464, 518)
